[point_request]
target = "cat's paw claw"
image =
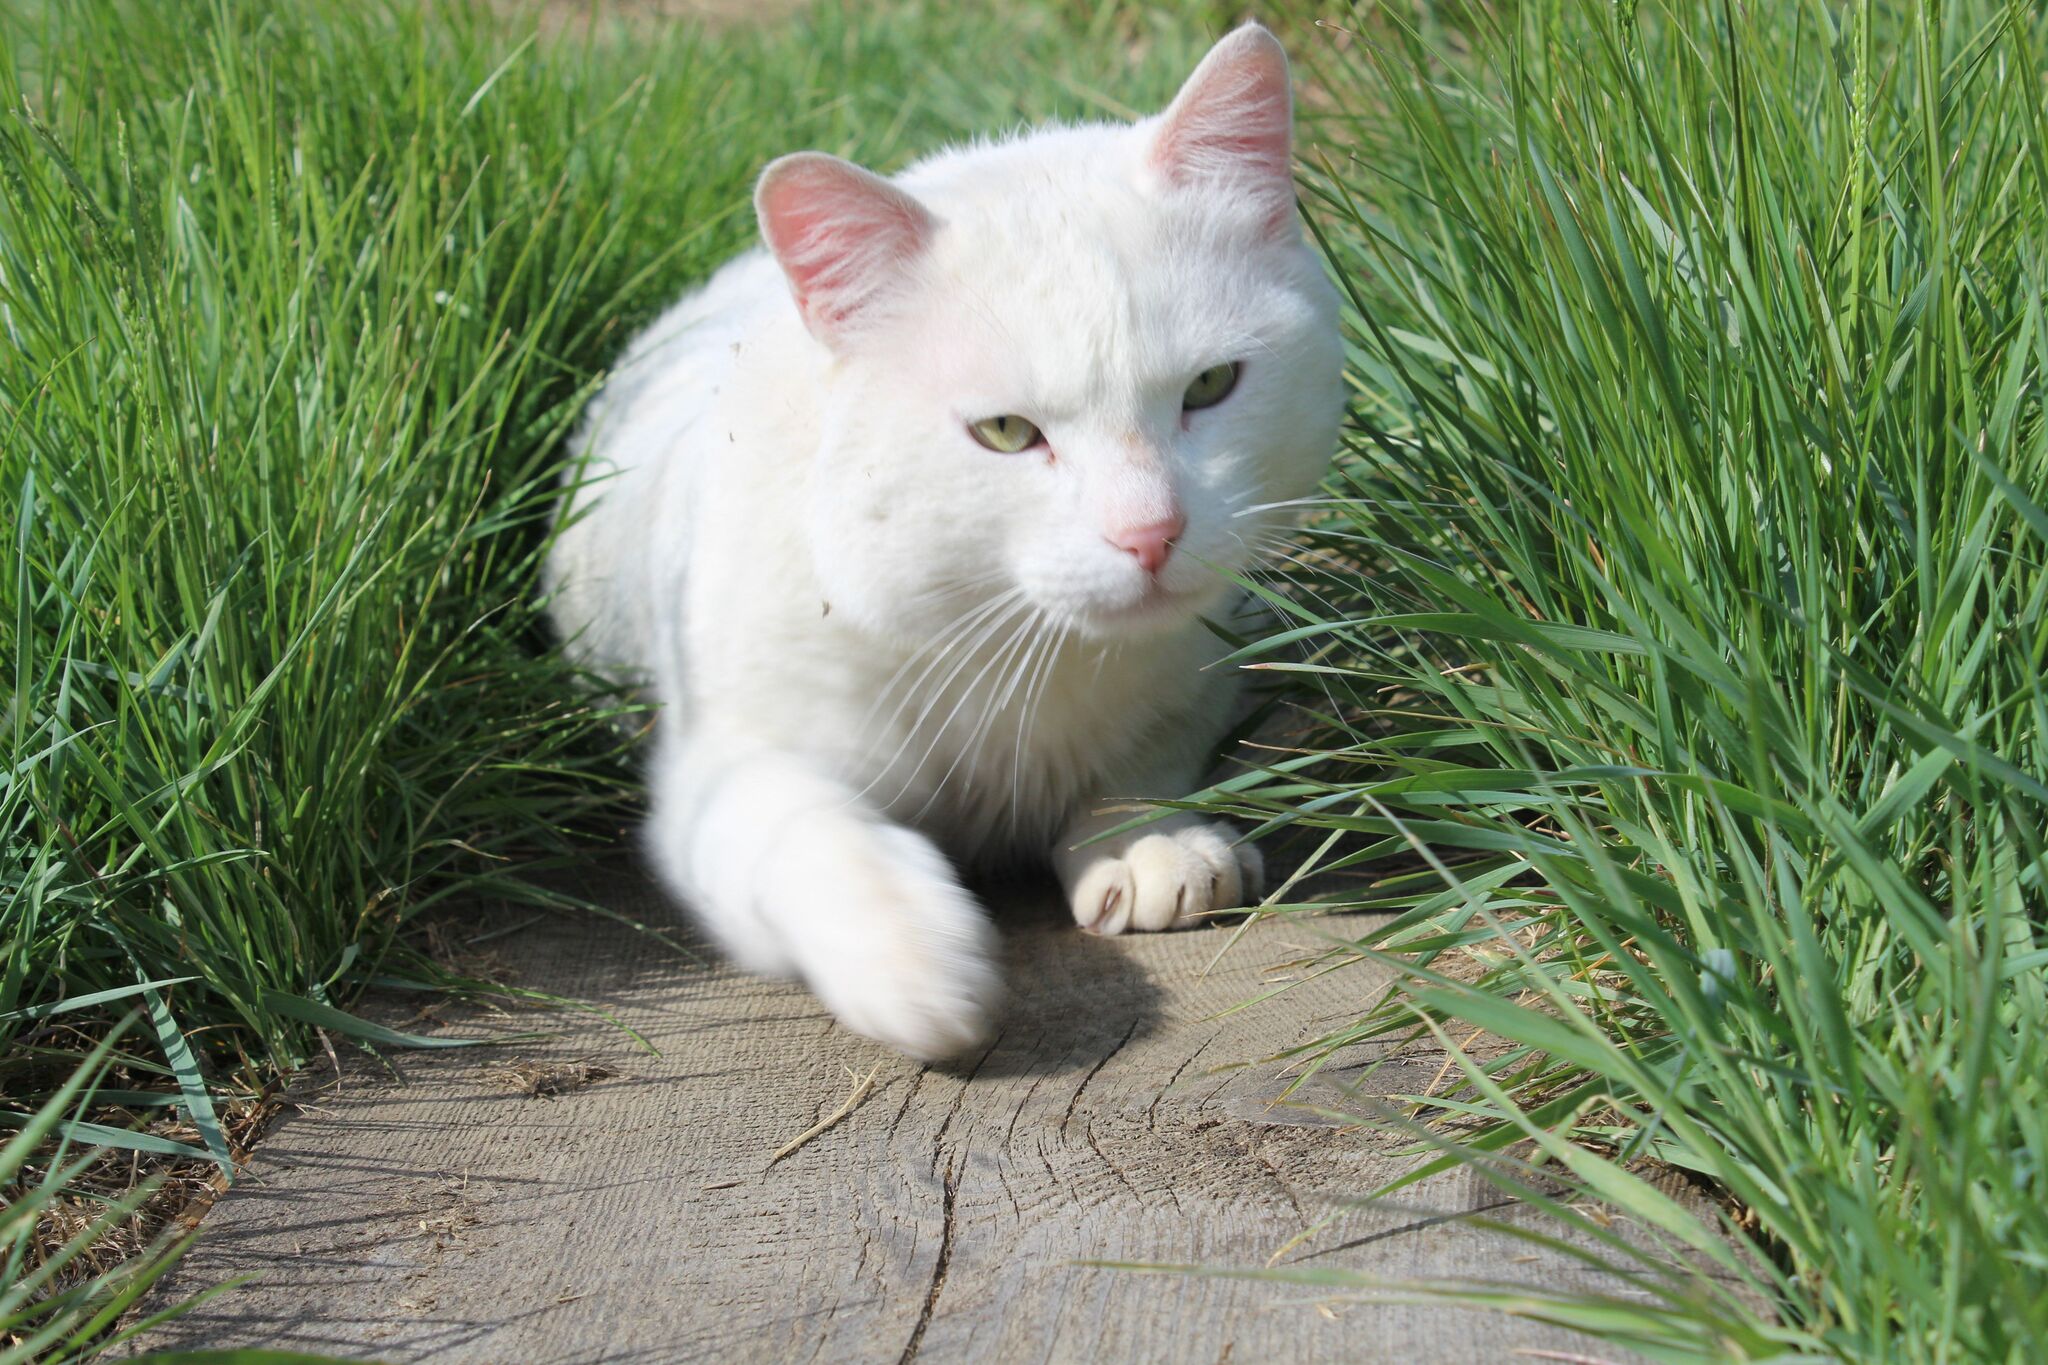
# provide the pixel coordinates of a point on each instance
(1164, 880)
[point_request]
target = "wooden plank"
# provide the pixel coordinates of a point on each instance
(1122, 1114)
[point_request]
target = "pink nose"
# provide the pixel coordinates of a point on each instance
(1151, 543)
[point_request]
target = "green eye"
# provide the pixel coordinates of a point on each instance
(1211, 387)
(1006, 435)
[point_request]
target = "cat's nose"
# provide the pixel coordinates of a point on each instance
(1151, 543)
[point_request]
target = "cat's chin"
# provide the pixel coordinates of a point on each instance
(1155, 613)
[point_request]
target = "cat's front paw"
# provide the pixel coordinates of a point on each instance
(1161, 876)
(931, 1006)
(905, 956)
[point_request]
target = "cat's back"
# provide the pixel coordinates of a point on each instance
(679, 370)
(703, 387)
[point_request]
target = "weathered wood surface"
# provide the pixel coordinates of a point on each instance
(453, 1217)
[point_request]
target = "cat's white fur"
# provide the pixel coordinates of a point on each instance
(883, 650)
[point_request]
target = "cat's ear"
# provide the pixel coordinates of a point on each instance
(843, 236)
(1232, 125)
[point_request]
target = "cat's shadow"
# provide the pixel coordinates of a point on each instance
(1073, 999)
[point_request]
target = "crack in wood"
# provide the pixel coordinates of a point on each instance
(904, 1108)
(1152, 1110)
(1016, 1209)
(1018, 1112)
(1094, 1071)
(939, 1138)
(939, 1265)
(1115, 1169)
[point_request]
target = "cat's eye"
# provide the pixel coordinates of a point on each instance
(1211, 387)
(1006, 435)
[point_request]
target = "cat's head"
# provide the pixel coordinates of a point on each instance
(1074, 369)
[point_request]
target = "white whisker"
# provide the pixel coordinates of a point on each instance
(1034, 694)
(998, 664)
(1285, 505)
(987, 633)
(945, 641)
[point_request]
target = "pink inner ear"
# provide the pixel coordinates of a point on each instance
(1233, 121)
(843, 236)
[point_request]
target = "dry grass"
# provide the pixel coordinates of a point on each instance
(549, 1080)
(182, 1190)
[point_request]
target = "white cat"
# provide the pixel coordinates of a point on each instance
(907, 520)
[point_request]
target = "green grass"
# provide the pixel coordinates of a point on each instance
(299, 303)
(1679, 604)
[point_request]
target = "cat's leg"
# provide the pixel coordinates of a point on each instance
(1162, 874)
(793, 875)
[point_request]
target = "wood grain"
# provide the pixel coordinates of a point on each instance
(1124, 1114)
